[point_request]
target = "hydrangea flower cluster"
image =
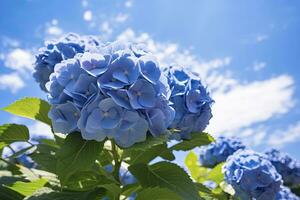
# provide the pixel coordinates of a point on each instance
(286, 194)
(218, 151)
(191, 101)
(115, 90)
(288, 167)
(252, 175)
(56, 51)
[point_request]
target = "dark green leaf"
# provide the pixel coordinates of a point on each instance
(157, 194)
(10, 133)
(76, 155)
(27, 188)
(32, 108)
(146, 155)
(197, 140)
(152, 141)
(44, 156)
(166, 175)
(8, 194)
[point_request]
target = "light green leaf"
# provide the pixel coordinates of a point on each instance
(216, 174)
(27, 188)
(166, 175)
(32, 108)
(191, 162)
(197, 140)
(96, 194)
(76, 154)
(10, 133)
(157, 194)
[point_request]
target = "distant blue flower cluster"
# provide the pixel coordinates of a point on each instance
(218, 151)
(288, 167)
(115, 90)
(56, 51)
(286, 194)
(190, 100)
(252, 175)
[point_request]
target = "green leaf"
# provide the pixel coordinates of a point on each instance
(44, 156)
(151, 141)
(197, 140)
(10, 133)
(216, 174)
(32, 108)
(76, 155)
(157, 194)
(27, 188)
(165, 175)
(8, 194)
(146, 155)
(96, 194)
(191, 162)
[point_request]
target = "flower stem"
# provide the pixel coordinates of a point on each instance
(117, 161)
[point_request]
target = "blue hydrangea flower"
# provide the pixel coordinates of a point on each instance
(64, 117)
(191, 102)
(56, 51)
(288, 167)
(286, 194)
(252, 175)
(126, 178)
(26, 161)
(118, 88)
(218, 151)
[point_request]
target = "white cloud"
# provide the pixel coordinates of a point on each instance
(121, 17)
(106, 28)
(238, 105)
(128, 3)
(40, 130)
(257, 66)
(52, 29)
(20, 60)
(247, 104)
(88, 15)
(12, 82)
(261, 37)
(9, 42)
(289, 135)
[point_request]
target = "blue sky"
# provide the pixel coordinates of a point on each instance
(246, 51)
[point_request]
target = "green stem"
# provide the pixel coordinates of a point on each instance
(117, 163)
(117, 160)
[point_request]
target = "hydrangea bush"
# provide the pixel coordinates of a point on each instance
(117, 118)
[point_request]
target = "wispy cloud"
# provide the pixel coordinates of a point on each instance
(12, 82)
(282, 137)
(52, 29)
(261, 37)
(257, 66)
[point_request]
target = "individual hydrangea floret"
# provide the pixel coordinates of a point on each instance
(56, 51)
(288, 167)
(114, 91)
(218, 151)
(191, 102)
(286, 194)
(252, 175)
